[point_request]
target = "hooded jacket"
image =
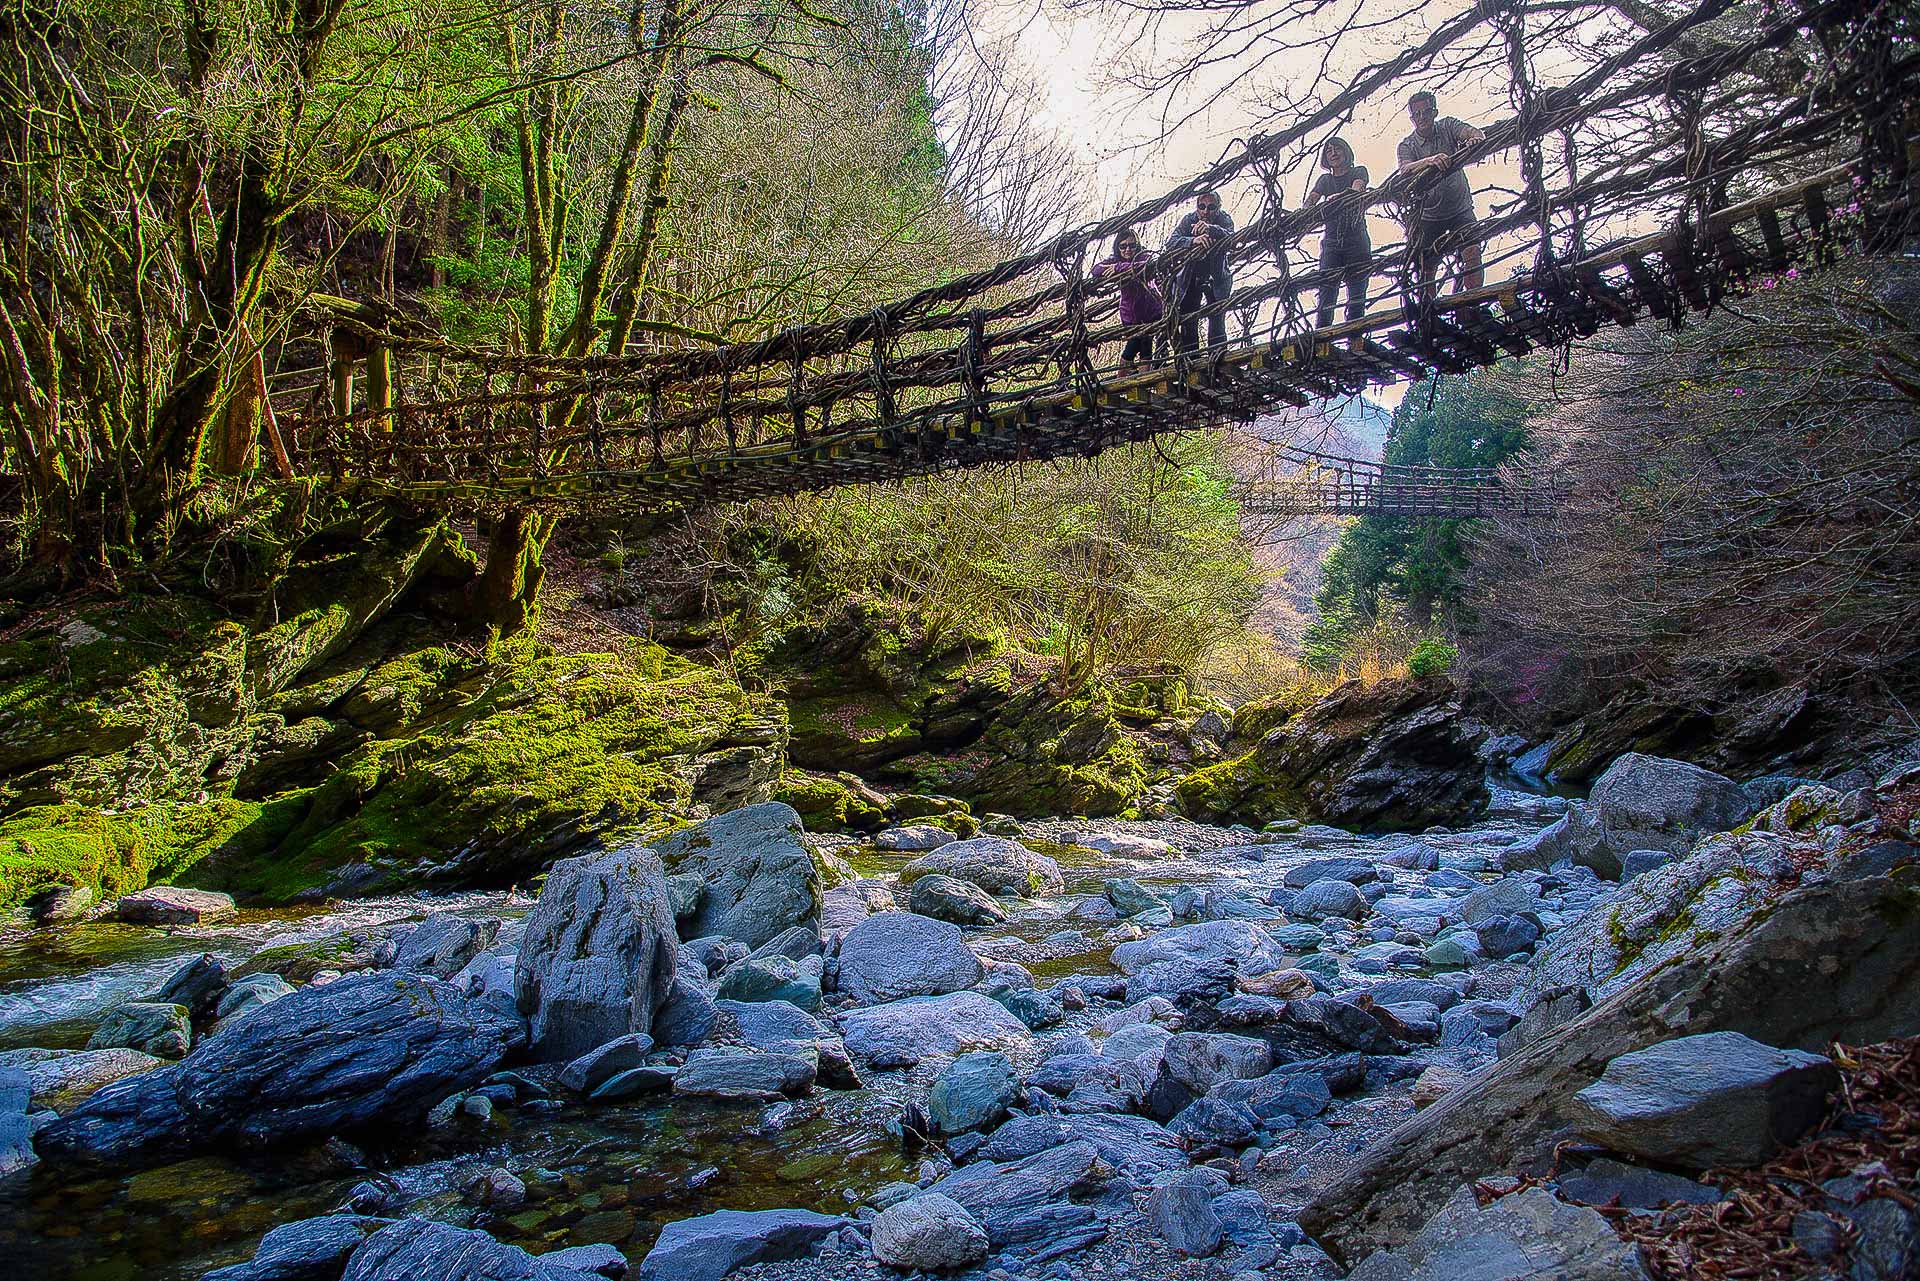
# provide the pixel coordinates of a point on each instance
(1140, 303)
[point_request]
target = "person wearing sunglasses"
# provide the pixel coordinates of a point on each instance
(1140, 302)
(1205, 278)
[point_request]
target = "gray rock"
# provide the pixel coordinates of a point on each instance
(1670, 911)
(1504, 936)
(898, 954)
(1851, 942)
(999, 1195)
(1136, 1041)
(62, 1080)
(931, 1232)
(1575, 837)
(961, 902)
(174, 905)
(760, 878)
(686, 891)
(1182, 982)
(972, 1094)
(687, 1016)
(1635, 862)
(647, 1079)
(1327, 898)
(601, 1260)
(1416, 857)
(198, 985)
(249, 993)
(773, 978)
(1610, 1182)
(59, 905)
(599, 955)
(1507, 897)
(1182, 1213)
(16, 1131)
(1035, 1009)
(594, 1068)
(162, 1030)
(707, 1248)
(1357, 871)
(1278, 1094)
(725, 1072)
(281, 1073)
(1549, 1010)
(441, 945)
(305, 1250)
(1129, 897)
(1213, 1122)
(1717, 1098)
(1201, 1060)
(1649, 803)
(414, 1248)
(902, 1033)
(1528, 1236)
(914, 838)
(777, 1027)
(1251, 949)
(994, 863)
(1432, 991)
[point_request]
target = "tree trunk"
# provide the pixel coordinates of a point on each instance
(508, 593)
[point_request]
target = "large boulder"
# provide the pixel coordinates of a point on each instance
(760, 877)
(174, 905)
(929, 1232)
(1251, 948)
(440, 945)
(1396, 755)
(726, 1072)
(1828, 962)
(62, 1080)
(1650, 803)
(416, 1248)
(972, 1094)
(152, 1027)
(902, 1033)
(707, 1248)
(1667, 912)
(994, 863)
(962, 902)
(1718, 1098)
(599, 954)
(304, 1250)
(374, 1047)
(1528, 1236)
(900, 954)
(1000, 1195)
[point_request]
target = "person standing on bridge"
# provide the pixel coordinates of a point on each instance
(1346, 250)
(1140, 302)
(1205, 278)
(1446, 206)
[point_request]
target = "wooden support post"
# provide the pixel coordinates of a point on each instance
(380, 385)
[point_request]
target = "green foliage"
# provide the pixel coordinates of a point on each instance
(1414, 566)
(1432, 657)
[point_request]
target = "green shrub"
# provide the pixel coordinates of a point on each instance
(1431, 657)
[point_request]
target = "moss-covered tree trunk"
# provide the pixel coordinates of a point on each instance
(508, 594)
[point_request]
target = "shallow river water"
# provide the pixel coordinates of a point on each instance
(601, 1174)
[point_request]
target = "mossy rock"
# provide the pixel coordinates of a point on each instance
(115, 854)
(300, 962)
(827, 804)
(548, 753)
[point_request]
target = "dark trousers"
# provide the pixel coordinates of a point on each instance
(1139, 347)
(1351, 262)
(1198, 292)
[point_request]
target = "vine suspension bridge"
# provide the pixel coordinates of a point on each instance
(1002, 365)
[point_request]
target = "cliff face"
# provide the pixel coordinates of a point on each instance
(1399, 755)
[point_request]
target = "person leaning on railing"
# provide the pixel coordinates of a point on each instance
(1446, 205)
(1205, 279)
(1140, 302)
(1346, 249)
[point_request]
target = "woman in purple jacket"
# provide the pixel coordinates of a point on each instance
(1139, 302)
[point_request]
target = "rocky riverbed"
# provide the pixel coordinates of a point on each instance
(1067, 1048)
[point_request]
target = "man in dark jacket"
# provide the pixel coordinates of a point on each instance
(1205, 279)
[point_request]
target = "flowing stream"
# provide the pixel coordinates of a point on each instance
(595, 1174)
